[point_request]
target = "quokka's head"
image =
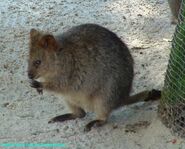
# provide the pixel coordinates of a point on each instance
(42, 50)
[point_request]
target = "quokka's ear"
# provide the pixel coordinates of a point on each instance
(49, 43)
(33, 33)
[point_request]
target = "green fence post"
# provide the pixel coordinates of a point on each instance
(172, 105)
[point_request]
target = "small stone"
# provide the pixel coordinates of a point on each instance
(6, 66)
(115, 126)
(66, 128)
(57, 130)
(6, 104)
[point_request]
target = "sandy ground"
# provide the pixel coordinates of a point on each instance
(143, 24)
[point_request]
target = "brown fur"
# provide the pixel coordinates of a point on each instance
(89, 65)
(175, 7)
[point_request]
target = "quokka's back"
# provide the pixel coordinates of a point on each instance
(99, 58)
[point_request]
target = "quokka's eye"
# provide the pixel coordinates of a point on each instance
(37, 62)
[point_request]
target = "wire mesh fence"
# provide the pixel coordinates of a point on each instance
(172, 106)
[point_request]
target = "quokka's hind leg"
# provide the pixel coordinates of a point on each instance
(97, 123)
(102, 112)
(77, 112)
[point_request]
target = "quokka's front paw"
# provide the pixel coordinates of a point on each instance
(37, 85)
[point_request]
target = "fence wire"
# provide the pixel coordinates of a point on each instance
(172, 105)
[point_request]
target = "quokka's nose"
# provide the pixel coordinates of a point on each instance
(30, 75)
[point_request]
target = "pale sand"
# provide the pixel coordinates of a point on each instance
(143, 24)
